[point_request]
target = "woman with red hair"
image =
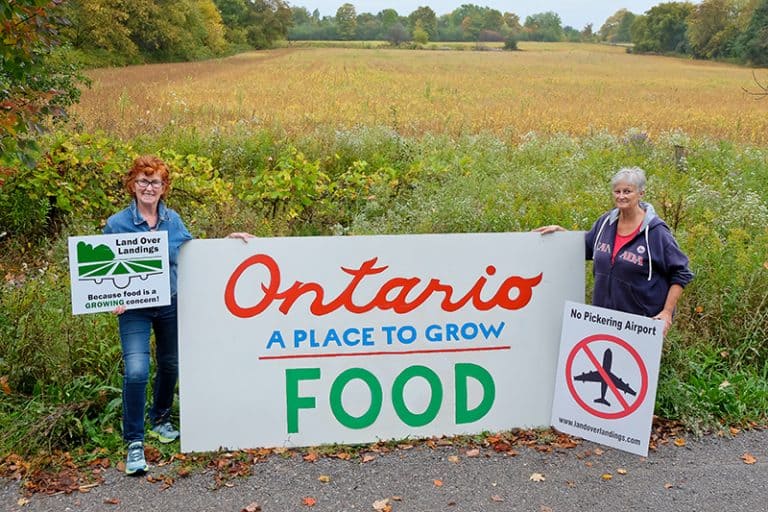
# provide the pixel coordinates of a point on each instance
(147, 182)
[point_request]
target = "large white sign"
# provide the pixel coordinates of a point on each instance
(606, 376)
(306, 341)
(125, 269)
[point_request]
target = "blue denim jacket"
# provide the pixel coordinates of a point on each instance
(130, 220)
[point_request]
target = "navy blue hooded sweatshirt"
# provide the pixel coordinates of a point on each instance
(644, 269)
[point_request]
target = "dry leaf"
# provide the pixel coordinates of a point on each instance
(111, 501)
(368, 458)
(397, 498)
(570, 484)
(382, 505)
(473, 452)
(621, 471)
(22, 501)
(679, 441)
(343, 456)
(497, 498)
(606, 476)
(699, 309)
(537, 477)
(438, 483)
(723, 385)
(309, 501)
(545, 508)
(4, 385)
(311, 457)
(765, 265)
(453, 458)
(748, 458)
(599, 451)
(734, 430)
(668, 486)
(253, 507)
(324, 478)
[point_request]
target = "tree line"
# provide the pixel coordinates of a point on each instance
(133, 31)
(711, 29)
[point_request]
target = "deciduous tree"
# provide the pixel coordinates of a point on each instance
(35, 87)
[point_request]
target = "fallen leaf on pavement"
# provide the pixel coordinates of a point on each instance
(537, 477)
(599, 451)
(453, 458)
(112, 501)
(368, 458)
(621, 471)
(473, 453)
(606, 476)
(497, 498)
(438, 483)
(748, 458)
(253, 507)
(309, 501)
(679, 441)
(324, 478)
(382, 505)
(668, 486)
(545, 508)
(311, 457)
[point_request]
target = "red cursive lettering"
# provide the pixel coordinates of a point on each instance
(513, 293)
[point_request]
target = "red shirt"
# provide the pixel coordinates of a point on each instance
(620, 241)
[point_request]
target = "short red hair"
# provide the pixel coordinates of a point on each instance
(149, 165)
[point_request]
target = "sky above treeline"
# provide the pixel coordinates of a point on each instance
(575, 13)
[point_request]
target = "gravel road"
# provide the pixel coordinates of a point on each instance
(709, 474)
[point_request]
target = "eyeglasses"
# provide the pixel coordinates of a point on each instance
(142, 183)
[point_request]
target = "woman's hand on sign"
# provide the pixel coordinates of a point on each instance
(119, 310)
(545, 230)
(242, 236)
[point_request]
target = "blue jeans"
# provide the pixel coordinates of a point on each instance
(135, 325)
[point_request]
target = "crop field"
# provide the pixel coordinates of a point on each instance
(577, 89)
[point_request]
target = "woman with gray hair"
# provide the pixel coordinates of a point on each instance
(638, 266)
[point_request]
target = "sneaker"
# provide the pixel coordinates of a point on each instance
(164, 432)
(135, 462)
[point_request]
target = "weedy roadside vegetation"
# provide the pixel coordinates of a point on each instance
(60, 374)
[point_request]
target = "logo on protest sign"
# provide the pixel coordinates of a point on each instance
(626, 394)
(99, 263)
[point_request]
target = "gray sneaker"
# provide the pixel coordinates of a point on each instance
(135, 463)
(164, 432)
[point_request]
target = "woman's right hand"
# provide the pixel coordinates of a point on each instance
(544, 230)
(119, 310)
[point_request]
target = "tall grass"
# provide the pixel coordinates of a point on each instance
(547, 88)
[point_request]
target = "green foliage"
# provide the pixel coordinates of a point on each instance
(64, 371)
(78, 173)
(754, 41)
(663, 28)
(35, 85)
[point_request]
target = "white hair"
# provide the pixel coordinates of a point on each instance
(633, 175)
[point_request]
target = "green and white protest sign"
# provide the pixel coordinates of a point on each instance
(125, 269)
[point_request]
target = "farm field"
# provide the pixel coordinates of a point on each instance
(546, 88)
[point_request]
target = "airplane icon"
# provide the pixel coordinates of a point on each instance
(594, 376)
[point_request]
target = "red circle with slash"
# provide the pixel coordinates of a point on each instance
(627, 409)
